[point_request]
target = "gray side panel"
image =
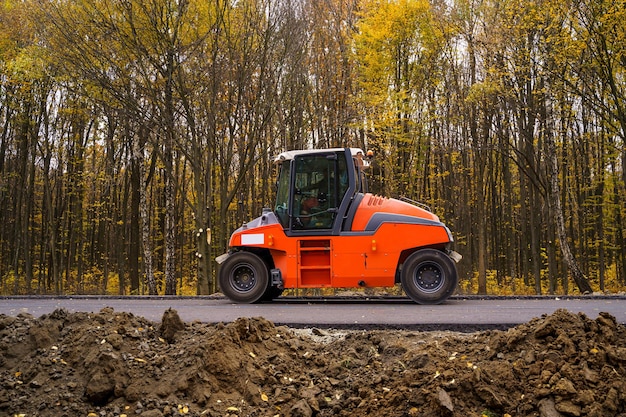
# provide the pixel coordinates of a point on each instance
(380, 218)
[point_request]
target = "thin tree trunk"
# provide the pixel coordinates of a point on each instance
(482, 238)
(134, 226)
(619, 238)
(535, 239)
(169, 190)
(203, 236)
(170, 229)
(554, 195)
(143, 214)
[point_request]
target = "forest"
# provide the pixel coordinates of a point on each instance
(136, 135)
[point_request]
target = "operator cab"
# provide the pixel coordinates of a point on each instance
(315, 189)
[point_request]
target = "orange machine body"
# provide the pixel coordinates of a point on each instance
(367, 255)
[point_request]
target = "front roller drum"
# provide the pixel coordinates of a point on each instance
(429, 276)
(244, 277)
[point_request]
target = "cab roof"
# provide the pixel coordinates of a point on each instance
(289, 155)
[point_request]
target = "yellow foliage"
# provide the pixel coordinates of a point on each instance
(390, 34)
(517, 286)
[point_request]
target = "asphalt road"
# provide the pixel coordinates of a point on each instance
(458, 313)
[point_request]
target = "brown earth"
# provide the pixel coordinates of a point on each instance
(116, 364)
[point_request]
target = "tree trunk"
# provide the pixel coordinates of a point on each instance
(143, 214)
(535, 239)
(170, 206)
(482, 239)
(203, 234)
(133, 248)
(204, 261)
(554, 196)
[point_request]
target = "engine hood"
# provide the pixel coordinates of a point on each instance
(375, 210)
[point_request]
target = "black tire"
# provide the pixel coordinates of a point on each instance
(244, 277)
(429, 276)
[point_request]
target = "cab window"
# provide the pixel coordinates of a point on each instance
(320, 185)
(282, 194)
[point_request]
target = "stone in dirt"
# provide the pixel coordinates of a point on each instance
(170, 325)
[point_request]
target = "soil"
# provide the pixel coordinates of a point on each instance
(117, 364)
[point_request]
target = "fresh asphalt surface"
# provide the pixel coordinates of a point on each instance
(459, 313)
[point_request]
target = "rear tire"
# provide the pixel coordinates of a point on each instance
(244, 277)
(429, 276)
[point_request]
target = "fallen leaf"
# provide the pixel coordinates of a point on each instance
(264, 397)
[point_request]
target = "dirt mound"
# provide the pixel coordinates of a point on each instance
(116, 364)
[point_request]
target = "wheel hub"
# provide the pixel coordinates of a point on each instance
(243, 278)
(429, 277)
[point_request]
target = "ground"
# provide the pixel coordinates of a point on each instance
(117, 364)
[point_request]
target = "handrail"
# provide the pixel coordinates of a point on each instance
(416, 203)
